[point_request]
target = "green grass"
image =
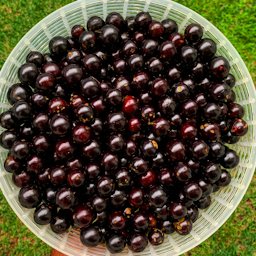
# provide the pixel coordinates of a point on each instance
(236, 19)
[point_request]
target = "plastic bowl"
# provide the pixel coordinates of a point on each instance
(224, 202)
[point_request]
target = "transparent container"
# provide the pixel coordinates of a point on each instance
(224, 202)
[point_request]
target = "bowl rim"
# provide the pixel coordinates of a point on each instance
(198, 16)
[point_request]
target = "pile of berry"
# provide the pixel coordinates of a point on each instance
(120, 130)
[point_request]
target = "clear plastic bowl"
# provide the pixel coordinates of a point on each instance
(224, 202)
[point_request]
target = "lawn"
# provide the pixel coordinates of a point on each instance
(236, 19)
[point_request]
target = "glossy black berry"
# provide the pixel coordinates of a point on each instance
(28, 73)
(115, 19)
(206, 49)
(219, 67)
(109, 36)
(29, 197)
(90, 236)
(193, 33)
(170, 26)
(230, 159)
(95, 23)
(58, 46)
(43, 215)
(18, 92)
(137, 242)
(142, 20)
(115, 243)
(7, 139)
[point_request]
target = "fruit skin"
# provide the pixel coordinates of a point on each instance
(193, 213)
(206, 49)
(230, 159)
(29, 197)
(230, 80)
(83, 216)
(76, 178)
(130, 105)
(188, 130)
(176, 150)
(200, 150)
(35, 57)
(204, 202)
(123, 178)
(105, 186)
(136, 197)
(59, 124)
(58, 46)
(65, 198)
(7, 139)
(235, 110)
(206, 187)
(212, 172)
(170, 26)
(157, 197)
(156, 237)
(60, 223)
(137, 242)
(43, 215)
(57, 176)
(45, 82)
(193, 191)
(72, 74)
(225, 179)
(28, 73)
(219, 68)
(212, 112)
(114, 97)
(21, 110)
(95, 23)
(117, 221)
(193, 33)
(109, 36)
(84, 113)
(182, 172)
(148, 179)
(90, 236)
(115, 19)
(76, 31)
(92, 150)
(183, 226)
(140, 221)
(11, 164)
(18, 92)
(139, 166)
(115, 243)
(87, 40)
(239, 127)
(142, 20)
(116, 121)
(177, 39)
(21, 179)
(156, 29)
(110, 162)
(188, 55)
(161, 127)
(159, 87)
(177, 210)
(7, 120)
(92, 171)
(34, 164)
(21, 150)
(217, 150)
(81, 134)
